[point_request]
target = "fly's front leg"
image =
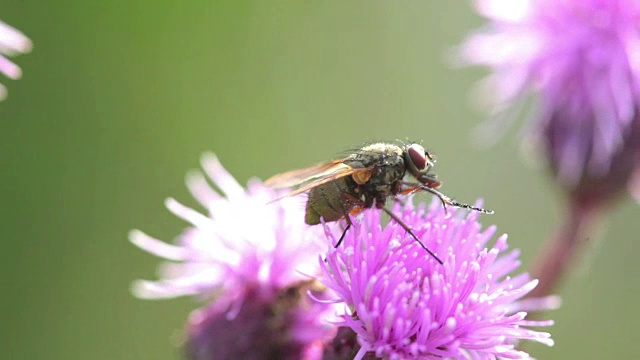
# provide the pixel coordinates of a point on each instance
(444, 199)
(411, 188)
(430, 181)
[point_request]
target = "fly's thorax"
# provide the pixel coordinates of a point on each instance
(387, 163)
(378, 153)
(377, 156)
(384, 179)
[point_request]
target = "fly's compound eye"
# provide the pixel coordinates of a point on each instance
(418, 156)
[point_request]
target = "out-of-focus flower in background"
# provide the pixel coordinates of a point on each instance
(252, 261)
(581, 60)
(402, 304)
(12, 42)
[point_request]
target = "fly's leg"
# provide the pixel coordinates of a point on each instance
(349, 223)
(444, 199)
(408, 230)
(414, 188)
(356, 205)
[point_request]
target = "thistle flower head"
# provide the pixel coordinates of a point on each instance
(252, 259)
(222, 251)
(12, 42)
(582, 60)
(403, 304)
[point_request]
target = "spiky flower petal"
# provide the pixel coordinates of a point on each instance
(403, 304)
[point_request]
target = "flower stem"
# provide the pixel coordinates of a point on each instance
(563, 247)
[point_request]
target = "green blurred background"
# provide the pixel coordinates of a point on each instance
(119, 99)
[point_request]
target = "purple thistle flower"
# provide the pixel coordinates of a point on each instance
(12, 42)
(253, 260)
(582, 59)
(403, 304)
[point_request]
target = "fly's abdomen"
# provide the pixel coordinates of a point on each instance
(327, 201)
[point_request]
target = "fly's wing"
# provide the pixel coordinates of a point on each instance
(315, 176)
(299, 176)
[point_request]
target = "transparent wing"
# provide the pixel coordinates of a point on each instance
(323, 174)
(299, 176)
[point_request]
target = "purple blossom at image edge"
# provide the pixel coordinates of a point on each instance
(12, 42)
(581, 60)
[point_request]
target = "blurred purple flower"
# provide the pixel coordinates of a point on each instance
(403, 304)
(12, 42)
(253, 260)
(582, 59)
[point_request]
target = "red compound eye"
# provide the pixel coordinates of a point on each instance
(417, 156)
